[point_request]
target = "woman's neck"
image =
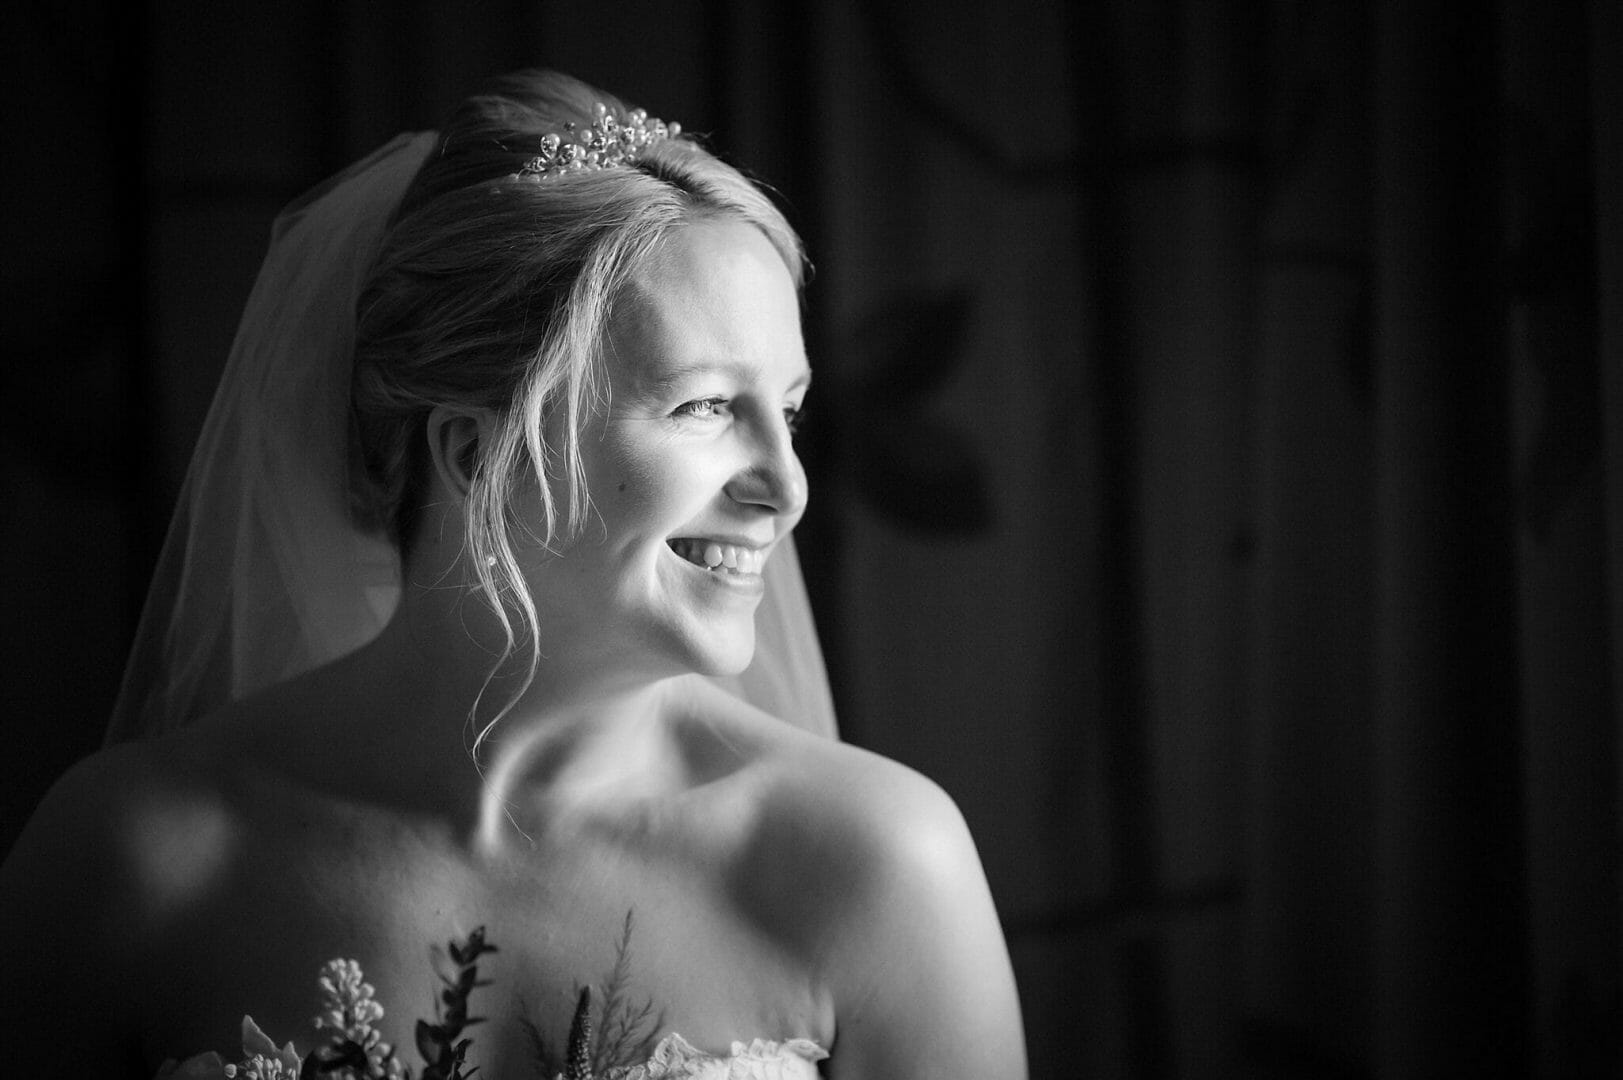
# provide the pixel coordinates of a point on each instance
(581, 730)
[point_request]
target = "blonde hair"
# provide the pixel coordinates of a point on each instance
(494, 293)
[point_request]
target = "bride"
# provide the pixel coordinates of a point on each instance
(480, 611)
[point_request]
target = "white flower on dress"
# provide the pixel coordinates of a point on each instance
(262, 1059)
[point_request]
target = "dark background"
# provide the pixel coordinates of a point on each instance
(1217, 452)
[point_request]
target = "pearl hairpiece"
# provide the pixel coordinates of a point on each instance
(603, 144)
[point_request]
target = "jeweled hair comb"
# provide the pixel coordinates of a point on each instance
(603, 144)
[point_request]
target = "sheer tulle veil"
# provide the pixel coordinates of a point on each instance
(264, 574)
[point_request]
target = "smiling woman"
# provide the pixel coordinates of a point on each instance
(476, 612)
(691, 465)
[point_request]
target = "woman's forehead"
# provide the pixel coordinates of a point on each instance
(716, 295)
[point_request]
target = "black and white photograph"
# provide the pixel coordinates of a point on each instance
(843, 539)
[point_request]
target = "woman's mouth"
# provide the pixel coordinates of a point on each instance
(718, 557)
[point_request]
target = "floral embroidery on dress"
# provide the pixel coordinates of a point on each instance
(793, 1059)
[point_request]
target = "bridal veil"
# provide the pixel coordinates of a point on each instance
(265, 573)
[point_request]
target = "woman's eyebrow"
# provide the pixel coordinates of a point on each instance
(674, 375)
(669, 376)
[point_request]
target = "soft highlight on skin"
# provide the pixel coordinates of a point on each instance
(493, 296)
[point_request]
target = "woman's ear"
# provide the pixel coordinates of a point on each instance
(454, 440)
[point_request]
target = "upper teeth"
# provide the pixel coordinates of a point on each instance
(717, 556)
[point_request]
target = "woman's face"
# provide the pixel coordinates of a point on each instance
(692, 475)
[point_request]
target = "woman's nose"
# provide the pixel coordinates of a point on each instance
(773, 478)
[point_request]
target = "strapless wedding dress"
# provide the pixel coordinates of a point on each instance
(793, 1059)
(673, 1059)
(350, 1010)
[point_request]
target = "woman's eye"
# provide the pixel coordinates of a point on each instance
(794, 416)
(702, 409)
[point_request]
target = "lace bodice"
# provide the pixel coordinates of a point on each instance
(794, 1059)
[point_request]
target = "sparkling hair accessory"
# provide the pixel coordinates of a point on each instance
(604, 144)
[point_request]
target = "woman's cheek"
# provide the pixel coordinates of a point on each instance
(636, 486)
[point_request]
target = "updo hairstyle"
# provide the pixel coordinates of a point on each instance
(493, 292)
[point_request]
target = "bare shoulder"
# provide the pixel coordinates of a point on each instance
(83, 890)
(891, 890)
(117, 832)
(852, 814)
(870, 818)
(874, 873)
(86, 815)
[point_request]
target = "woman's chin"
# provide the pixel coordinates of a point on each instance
(728, 662)
(721, 652)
